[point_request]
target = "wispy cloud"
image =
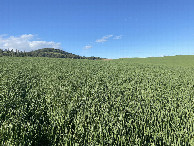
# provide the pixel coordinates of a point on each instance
(117, 37)
(25, 42)
(104, 39)
(87, 47)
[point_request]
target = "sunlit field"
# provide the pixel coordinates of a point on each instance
(50, 101)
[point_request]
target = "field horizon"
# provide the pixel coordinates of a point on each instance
(58, 101)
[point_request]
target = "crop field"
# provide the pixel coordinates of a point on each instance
(49, 101)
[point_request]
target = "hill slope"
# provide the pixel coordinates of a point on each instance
(45, 52)
(178, 60)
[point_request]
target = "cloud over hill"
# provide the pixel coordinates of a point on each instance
(25, 42)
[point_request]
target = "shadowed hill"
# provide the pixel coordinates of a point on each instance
(45, 52)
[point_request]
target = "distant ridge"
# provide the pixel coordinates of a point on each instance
(45, 52)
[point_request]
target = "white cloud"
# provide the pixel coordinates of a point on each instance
(87, 47)
(117, 37)
(27, 36)
(104, 39)
(25, 42)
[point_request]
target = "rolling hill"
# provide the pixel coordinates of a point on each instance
(45, 52)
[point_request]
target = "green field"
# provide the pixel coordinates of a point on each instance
(50, 101)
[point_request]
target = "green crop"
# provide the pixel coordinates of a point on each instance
(48, 101)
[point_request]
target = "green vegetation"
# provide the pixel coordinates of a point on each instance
(179, 60)
(56, 101)
(45, 52)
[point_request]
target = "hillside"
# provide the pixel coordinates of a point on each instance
(45, 52)
(178, 60)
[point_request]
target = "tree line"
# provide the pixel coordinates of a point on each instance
(45, 52)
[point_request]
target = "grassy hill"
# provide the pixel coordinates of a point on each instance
(178, 60)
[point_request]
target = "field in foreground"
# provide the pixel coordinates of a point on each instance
(47, 101)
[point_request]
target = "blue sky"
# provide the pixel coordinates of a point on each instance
(104, 28)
